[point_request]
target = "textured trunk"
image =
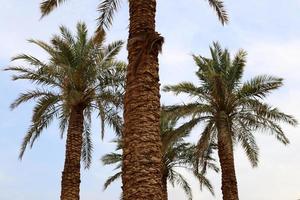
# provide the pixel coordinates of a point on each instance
(71, 175)
(142, 157)
(225, 151)
(165, 188)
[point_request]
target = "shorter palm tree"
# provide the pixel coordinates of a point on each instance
(231, 110)
(176, 154)
(81, 75)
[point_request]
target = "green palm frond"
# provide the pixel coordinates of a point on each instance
(265, 111)
(257, 123)
(207, 161)
(109, 52)
(236, 70)
(112, 158)
(172, 136)
(248, 143)
(36, 129)
(115, 121)
(67, 35)
(107, 9)
(63, 122)
(184, 87)
(205, 139)
(47, 6)
(219, 7)
(112, 179)
(260, 86)
(31, 95)
(43, 104)
(87, 144)
(204, 182)
(46, 47)
(110, 116)
(30, 60)
(176, 178)
(190, 109)
(39, 77)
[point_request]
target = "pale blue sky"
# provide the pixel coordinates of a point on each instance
(268, 29)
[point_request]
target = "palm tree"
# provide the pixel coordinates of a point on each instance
(79, 77)
(141, 139)
(231, 110)
(176, 154)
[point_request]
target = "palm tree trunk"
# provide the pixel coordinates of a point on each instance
(165, 188)
(142, 156)
(226, 156)
(70, 184)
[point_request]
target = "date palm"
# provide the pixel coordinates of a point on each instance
(141, 139)
(231, 110)
(177, 154)
(80, 77)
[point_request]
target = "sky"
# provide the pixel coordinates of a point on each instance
(267, 29)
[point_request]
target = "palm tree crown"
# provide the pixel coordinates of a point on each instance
(80, 72)
(221, 92)
(231, 110)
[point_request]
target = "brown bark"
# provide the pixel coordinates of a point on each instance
(142, 156)
(226, 156)
(70, 184)
(165, 187)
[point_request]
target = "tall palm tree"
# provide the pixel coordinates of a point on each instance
(141, 139)
(231, 110)
(177, 154)
(79, 77)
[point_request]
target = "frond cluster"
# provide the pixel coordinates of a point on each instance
(79, 71)
(222, 97)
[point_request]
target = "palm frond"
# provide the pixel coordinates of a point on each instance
(248, 143)
(181, 182)
(67, 35)
(48, 6)
(260, 86)
(43, 104)
(87, 144)
(204, 182)
(170, 137)
(36, 129)
(190, 109)
(36, 76)
(115, 121)
(264, 111)
(203, 144)
(184, 87)
(30, 60)
(236, 70)
(110, 52)
(112, 179)
(112, 158)
(31, 95)
(107, 9)
(219, 7)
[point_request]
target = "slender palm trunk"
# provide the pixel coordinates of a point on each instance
(71, 175)
(142, 157)
(226, 156)
(165, 187)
